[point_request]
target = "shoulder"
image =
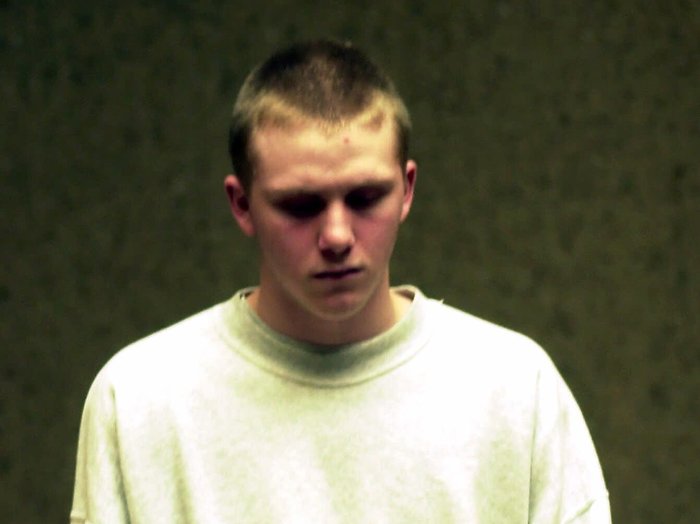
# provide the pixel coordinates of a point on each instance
(467, 349)
(476, 335)
(166, 355)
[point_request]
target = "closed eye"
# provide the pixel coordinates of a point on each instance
(301, 206)
(364, 198)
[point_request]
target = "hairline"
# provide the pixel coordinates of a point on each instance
(270, 110)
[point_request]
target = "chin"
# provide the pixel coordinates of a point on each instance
(339, 308)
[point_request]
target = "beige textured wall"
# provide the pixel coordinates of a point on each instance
(559, 194)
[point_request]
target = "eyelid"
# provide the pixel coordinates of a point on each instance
(300, 206)
(307, 205)
(366, 197)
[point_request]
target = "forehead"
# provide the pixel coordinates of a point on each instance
(314, 154)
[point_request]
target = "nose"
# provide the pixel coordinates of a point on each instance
(336, 236)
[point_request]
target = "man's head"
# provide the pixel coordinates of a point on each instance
(323, 82)
(319, 142)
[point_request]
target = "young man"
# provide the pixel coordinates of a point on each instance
(323, 394)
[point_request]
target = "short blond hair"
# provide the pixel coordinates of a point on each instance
(323, 82)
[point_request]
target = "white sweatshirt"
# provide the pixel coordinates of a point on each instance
(445, 418)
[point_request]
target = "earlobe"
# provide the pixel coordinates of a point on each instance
(239, 204)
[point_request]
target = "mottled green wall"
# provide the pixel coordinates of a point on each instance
(559, 194)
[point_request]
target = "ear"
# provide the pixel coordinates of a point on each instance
(240, 205)
(409, 181)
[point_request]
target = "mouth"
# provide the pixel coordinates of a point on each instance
(337, 274)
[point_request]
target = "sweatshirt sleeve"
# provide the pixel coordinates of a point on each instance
(567, 484)
(98, 494)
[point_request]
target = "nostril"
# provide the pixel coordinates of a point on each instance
(336, 255)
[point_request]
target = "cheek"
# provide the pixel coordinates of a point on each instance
(283, 243)
(380, 234)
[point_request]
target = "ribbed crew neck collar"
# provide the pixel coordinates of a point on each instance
(324, 366)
